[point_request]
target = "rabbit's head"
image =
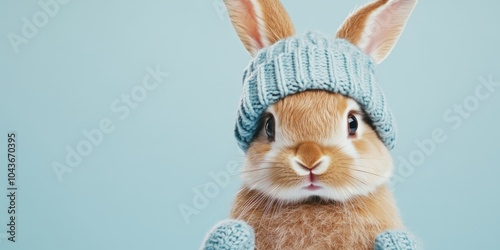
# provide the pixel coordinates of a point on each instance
(312, 120)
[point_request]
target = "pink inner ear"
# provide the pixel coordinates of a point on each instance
(384, 26)
(253, 29)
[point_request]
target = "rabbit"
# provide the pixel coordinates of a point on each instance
(317, 162)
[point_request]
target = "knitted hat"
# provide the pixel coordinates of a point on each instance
(311, 62)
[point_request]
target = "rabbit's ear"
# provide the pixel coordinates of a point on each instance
(376, 27)
(259, 23)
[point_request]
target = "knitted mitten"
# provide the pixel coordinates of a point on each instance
(237, 235)
(395, 240)
(230, 235)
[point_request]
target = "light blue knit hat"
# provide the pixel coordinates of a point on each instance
(311, 62)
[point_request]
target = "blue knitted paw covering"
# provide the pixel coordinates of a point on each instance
(395, 240)
(230, 235)
(311, 62)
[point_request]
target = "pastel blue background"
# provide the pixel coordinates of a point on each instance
(126, 193)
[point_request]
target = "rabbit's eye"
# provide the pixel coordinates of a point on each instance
(352, 123)
(270, 127)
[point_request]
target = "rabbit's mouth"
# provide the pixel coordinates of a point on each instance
(312, 187)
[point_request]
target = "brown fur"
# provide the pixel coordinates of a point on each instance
(354, 26)
(243, 17)
(351, 225)
(276, 23)
(309, 153)
(378, 36)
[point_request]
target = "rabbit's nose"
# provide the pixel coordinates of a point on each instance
(309, 153)
(309, 159)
